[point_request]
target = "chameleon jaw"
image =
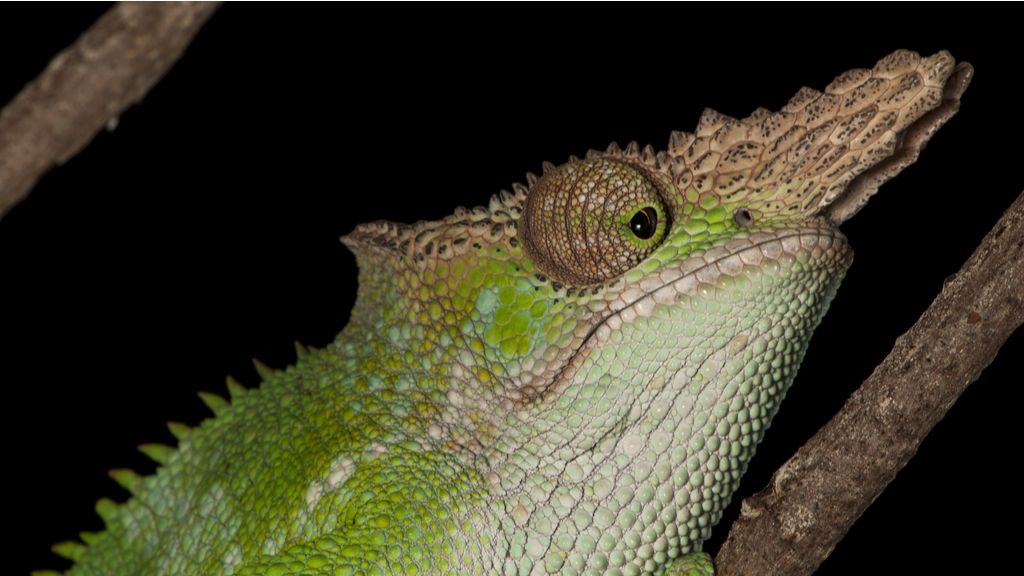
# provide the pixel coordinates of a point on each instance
(701, 274)
(705, 270)
(628, 425)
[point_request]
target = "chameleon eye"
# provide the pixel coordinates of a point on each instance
(588, 222)
(644, 223)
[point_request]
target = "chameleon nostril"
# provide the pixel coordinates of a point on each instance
(743, 217)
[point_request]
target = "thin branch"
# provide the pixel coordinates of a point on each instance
(88, 85)
(791, 526)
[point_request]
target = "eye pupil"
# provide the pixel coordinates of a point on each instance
(644, 223)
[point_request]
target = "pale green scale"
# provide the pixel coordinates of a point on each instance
(700, 394)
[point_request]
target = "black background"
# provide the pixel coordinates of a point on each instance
(202, 231)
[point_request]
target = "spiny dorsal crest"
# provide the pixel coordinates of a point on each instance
(426, 241)
(861, 131)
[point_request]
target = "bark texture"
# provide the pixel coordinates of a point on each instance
(88, 85)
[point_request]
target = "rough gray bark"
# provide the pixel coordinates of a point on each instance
(791, 526)
(88, 85)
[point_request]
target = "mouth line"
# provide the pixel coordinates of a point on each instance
(727, 259)
(697, 271)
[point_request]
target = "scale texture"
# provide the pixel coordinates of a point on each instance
(570, 380)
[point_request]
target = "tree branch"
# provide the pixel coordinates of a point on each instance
(791, 526)
(88, 85)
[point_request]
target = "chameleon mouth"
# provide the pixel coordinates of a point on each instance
(703, 273)
(705, 270)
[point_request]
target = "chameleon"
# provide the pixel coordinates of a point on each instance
(569, 380)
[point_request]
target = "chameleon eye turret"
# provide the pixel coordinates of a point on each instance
(589, 221)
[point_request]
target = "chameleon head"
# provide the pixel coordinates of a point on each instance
(569, 380)
(607, 345)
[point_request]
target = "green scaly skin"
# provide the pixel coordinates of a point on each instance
(571, 380)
